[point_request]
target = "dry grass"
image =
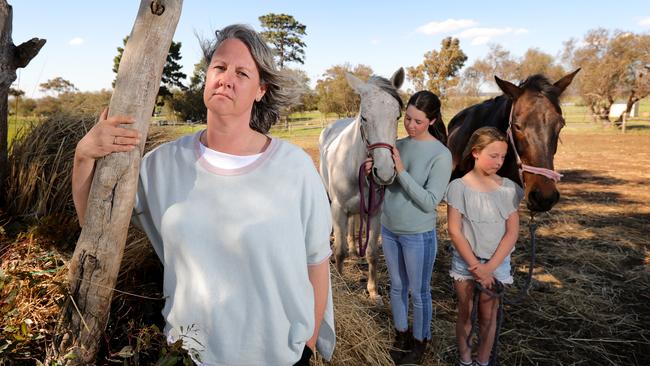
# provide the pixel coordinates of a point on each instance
(588, 303)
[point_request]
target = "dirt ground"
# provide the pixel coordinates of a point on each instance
(588, 301)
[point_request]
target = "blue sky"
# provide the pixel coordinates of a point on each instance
(82, 36)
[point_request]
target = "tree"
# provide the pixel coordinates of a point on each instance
(12, 57)
(498, 61)
(188, 104)
(439, 70)
(16, 93)
(306, 96)
(96, 260)
(285, 34)
(58, 85)
(636, 80)
(615, 64)
(334, 93)
(535, 61)
(171, 76)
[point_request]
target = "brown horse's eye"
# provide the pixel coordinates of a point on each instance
(516, 127)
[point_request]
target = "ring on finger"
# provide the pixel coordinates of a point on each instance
(115, 140)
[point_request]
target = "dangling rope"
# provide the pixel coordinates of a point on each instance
(375, 198)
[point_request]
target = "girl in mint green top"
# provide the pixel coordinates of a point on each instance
(423, 165)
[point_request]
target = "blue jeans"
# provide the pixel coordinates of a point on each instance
(410, 258)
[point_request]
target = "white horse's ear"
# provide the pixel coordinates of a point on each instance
(355, 83)
(398, 78)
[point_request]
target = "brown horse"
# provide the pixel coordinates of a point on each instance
(532, 111)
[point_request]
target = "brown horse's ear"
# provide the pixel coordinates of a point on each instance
(566, 80)
(508, 88)
(398, 78)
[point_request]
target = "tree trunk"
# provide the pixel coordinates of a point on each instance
(11, 58)
(631, 99)
(97, 257)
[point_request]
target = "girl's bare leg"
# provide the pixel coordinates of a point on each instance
(487, 320)
(464, 292)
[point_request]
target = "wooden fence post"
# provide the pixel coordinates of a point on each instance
(98, 254)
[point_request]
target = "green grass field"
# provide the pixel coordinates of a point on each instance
(308, 125)
(18, 125)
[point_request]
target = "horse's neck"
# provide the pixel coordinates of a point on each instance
(501, 118)
(510, 168)
(356, 146)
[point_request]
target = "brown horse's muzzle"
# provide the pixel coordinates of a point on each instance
(541, 193)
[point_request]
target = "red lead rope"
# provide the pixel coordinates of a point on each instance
(375, 198)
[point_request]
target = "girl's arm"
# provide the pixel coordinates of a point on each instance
(484, 271)
(507, 242)
(427, 197)
(454, 227)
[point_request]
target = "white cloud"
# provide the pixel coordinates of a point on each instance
(482, 35)
(448, 25)
(375, 42)
(76, 41)
(480, 40)
(645, 22)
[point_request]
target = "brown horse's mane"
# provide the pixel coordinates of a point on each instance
(540, 83)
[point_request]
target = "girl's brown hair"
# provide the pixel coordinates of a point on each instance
(477, 142)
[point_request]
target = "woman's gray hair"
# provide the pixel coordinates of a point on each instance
(266, 112)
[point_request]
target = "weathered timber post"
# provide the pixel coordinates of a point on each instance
(96, 261)
(11, 58)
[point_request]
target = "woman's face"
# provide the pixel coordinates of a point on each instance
(232, 80)
(490, 159)
(416, 122)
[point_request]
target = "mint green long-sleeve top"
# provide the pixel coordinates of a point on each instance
(410, 202)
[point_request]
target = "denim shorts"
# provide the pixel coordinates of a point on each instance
(460, 272)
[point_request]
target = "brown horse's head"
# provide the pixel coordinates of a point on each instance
(536, 124)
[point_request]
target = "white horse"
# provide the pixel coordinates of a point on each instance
(344, 145)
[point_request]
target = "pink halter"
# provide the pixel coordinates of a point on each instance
(550, 174)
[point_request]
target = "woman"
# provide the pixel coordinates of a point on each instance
(239, 220)
(423, 165)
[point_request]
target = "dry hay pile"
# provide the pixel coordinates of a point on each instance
(38, 182)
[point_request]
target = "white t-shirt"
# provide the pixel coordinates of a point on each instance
(236, 245)
(223, 160)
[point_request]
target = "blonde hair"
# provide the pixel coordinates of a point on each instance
(477, 142)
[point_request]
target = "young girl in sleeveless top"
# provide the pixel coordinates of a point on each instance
(483, 227)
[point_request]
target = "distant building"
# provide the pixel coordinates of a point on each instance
(618, 109)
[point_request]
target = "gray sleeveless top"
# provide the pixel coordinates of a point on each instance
(484, 213)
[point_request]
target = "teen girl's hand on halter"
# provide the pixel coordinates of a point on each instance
(399, 166)
(367, 165)
(107, 137)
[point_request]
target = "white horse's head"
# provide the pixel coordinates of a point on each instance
(381, 108)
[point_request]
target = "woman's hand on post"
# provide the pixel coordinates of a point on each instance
(399, 166)
(367, 165)
(107, 137)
